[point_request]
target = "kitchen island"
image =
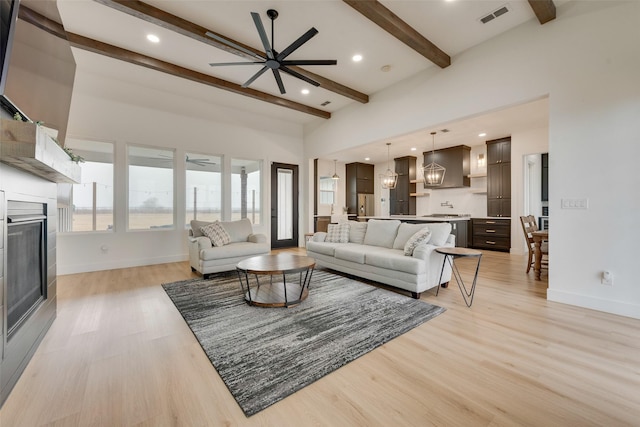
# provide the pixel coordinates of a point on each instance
(459, 223)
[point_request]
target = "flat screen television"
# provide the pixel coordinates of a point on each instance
(8, 22)
(38, 75)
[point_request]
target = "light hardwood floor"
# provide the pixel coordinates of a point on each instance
(120, 354)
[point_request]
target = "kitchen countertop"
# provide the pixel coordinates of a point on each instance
(420, 218)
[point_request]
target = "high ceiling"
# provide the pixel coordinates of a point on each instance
(452, 25)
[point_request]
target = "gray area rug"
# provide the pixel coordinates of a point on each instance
(265, 354)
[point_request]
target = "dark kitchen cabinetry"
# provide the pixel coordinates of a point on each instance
(491, 233)
(401, 202)
(456, 160)
(459, 229)
(499, 177)
(360, 180)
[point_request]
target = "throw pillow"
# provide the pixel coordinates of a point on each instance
(338, 233)
(405, 231)
(420, 237)
(216, 232)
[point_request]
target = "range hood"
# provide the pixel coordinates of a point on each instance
(28, 147)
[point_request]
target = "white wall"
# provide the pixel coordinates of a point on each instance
(587, 62)
(96, 115)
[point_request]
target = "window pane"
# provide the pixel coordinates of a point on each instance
(327, 190)
(150, 188)
(88, 206)
(245, 190)
(285, 205)
(204, 187)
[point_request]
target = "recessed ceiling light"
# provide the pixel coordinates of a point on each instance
(482, 134)
(305, 91)
(356, 58)
(367, 159)
(413, 148)
(153, 38)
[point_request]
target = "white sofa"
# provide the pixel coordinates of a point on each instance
(375, 251)
(205, 258)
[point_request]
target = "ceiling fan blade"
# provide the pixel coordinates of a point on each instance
(220, 64)
(255, 76)
(263, 35)
(298, 75)
(276, 74)
(232, 44)
(296, 44)
(311, 62)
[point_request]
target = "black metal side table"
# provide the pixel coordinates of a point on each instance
(451, 254)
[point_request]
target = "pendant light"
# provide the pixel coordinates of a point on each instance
(335, 175)
(388, 179)
(433, 172)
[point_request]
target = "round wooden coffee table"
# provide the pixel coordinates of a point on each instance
(280, 289)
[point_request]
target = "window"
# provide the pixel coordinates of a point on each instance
(204, 187)
(245, 190)
(88, 206)
(150, 188)
(327, 190)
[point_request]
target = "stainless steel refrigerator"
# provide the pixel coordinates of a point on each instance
(366, 205)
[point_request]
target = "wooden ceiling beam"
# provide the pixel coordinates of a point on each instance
(545, 10)
(115, 52)
(189, 29)
(391, 23)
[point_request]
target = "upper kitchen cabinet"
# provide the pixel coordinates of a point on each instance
(360, 180)
(499, 177)
(499, 151)
(456, 160)
(401, 202)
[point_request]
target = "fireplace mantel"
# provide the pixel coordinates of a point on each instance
(27, 146)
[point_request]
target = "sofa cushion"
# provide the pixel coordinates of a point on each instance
(338, 233)
(216, 232)
(405, 231)
(239, 231)
(231, 251)
(421, 237)
(439, 233)
(357, 231)
(195, 227)
(381, 232)
(351, 253)
(395, 260)
(324, 248)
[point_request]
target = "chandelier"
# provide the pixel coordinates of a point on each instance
(389, 178)
(433, 172)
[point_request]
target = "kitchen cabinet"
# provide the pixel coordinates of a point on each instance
(499, 177)
(456, 160)
(360, 180)
(459, 229)
(400, 200)
(491, 233)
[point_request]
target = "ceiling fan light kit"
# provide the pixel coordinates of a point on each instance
(433, 173)
(274, 60)
(389, 179)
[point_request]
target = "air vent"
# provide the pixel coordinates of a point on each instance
(325, 103)
(493, 15)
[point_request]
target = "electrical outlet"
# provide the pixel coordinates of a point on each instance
(607, 278)
(574, 203)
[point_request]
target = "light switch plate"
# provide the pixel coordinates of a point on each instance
(574, 203)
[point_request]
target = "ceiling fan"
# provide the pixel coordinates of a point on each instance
(273, 60)
(199, 162)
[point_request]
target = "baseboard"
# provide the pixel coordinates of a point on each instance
(128, 263)
(614, 307)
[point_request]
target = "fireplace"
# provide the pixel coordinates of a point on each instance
(26, 286)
